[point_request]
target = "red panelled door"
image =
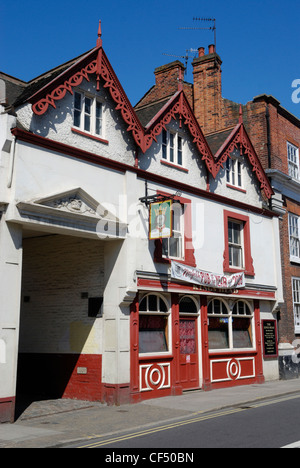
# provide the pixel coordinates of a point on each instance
(189, 364)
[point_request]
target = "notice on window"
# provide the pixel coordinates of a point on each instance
(204, 278)
(160, 220)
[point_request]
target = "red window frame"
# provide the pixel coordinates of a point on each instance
(189, 257)
(248, 265)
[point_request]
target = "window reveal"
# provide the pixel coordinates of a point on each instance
(234, 172)
(296, 303)
(293, 160)
(172, 147)
(235, 240)
(88, 114)
(294, 237)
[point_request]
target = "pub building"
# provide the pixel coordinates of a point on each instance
(138, 259)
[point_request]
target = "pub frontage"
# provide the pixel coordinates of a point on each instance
(136, 259)
(187, 336)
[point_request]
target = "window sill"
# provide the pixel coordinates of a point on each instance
(221, 352)
(174, 166)
(239, 270)
(89, 135)
(295, 260)
(168, 261)
(152, 356)
(234, 187)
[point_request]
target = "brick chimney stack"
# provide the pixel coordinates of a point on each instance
(169, 79)
(208, 89)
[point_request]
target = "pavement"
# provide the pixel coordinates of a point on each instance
(57, 423)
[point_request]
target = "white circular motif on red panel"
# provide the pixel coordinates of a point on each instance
(233, 369)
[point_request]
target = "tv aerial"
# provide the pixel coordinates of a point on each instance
(210, 28)
(186, 57)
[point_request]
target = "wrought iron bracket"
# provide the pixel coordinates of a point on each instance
(148, 199)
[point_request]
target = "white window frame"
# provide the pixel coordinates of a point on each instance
(293, 160)
(167, 315)
(172, 148)
(296, 303)
(178, 234)
(229, 316)
(234, 173)
(234, 245)
(294, 237)
(94, 118)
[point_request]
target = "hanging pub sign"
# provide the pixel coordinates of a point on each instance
(204, 278)
(160, 220)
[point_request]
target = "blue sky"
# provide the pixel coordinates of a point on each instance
(258, 41)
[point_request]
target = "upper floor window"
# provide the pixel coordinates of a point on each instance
(294, 236)
(293, 160)
(296, 303)
(180, 246)
(237, 254)
(173, 247)
(235, 243)
(88, 114)
(172, 147)
(234, 172)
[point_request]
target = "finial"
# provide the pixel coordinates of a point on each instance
(99, 40)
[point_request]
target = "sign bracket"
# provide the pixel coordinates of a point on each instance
(148, 199)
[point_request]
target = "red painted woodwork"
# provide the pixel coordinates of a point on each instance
(228, 369)
(134, 350)
(189, 364)
(248, 268)
(97, 63)
(7, 410)
(239, 139)
(205, 344)
(116, 394)
(156, 285)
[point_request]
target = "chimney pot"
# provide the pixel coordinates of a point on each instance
(201, 51)
(211, 49)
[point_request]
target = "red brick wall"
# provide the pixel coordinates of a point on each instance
(166, 84)
(289, 270)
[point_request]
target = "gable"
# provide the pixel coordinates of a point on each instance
(96, 63)
(238, 139)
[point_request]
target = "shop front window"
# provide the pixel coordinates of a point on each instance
(230, 328)
(242, 326)
(218, 320)
(153, 325)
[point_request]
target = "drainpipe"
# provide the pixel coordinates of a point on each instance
(12, 162)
